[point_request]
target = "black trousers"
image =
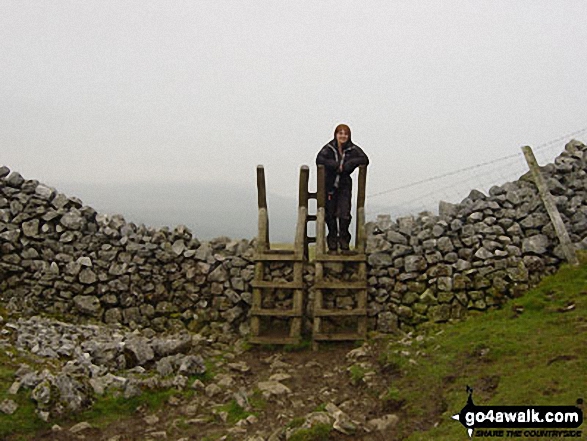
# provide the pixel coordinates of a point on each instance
(338, 217)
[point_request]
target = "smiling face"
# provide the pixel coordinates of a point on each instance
(342, 136)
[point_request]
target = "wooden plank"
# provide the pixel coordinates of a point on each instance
(362, 271)
(300, 238)
(338, 337)
(295, 330)
(291, 257)
(261, 191)
(362, 326)
(271, 340)
(549, 204)
(255, 322)
(276, 285)
(263, 220)
(279, 252)
(256, 298)
(340, 285)
(321, 187)
(259, 271)
(339, 312)
(298, 273)
(255, 326)
(263, 231)
(303, 186)
(341, 257)
(275, 312)
(360, 240)
(362, 299)
(321, 232)
(317, 307)
(319, 272)
(298, 301)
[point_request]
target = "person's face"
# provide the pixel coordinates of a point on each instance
(342, 136)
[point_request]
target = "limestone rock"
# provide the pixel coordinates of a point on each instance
(8, 407)
(15, 179)
(80, 427)
(89, 305)
(415, 263)
(536, 244)
(270, 388)
(383, 424)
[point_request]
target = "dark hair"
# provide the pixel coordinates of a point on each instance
(342, 127)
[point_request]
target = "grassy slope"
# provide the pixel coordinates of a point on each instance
(535, 357)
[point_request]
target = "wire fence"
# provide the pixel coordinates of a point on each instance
(454, 186)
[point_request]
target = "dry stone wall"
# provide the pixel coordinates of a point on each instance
(476, 254)
(62, 257)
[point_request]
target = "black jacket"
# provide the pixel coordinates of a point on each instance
(352, 157)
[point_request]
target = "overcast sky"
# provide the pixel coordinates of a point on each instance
(203, 91)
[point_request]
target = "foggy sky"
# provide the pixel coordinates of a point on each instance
(203, 91)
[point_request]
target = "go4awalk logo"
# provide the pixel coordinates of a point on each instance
(520, 421)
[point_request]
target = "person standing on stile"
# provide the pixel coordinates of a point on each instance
(339, 157)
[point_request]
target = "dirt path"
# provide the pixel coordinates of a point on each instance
(264, 395)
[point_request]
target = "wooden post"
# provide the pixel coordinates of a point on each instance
(301, 241)
(263, 221)
(360, 227)
(321, 213)
(547, 199)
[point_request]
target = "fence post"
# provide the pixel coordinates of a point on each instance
(547, 199)
(320, 212)
(263, 220)
(360, 226)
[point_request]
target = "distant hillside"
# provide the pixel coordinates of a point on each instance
(208, 210)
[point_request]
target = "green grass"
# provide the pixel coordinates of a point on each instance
(257, 400)
(234, 411)
(207, 376)
(296, 422)
(319, 432)
(24, 421)
(113, 406)
(536, 357)
(106, 409)
(303, 345)
(357, 373)
(320, 407)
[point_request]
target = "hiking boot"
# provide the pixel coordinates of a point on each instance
(332, 242)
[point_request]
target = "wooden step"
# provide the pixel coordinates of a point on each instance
(270, 340)
(277, 285)
(276, 312)
(339, 312)
(278, 257)
(341, 258)
(338, 337)
(340, 285)
(279, 251)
